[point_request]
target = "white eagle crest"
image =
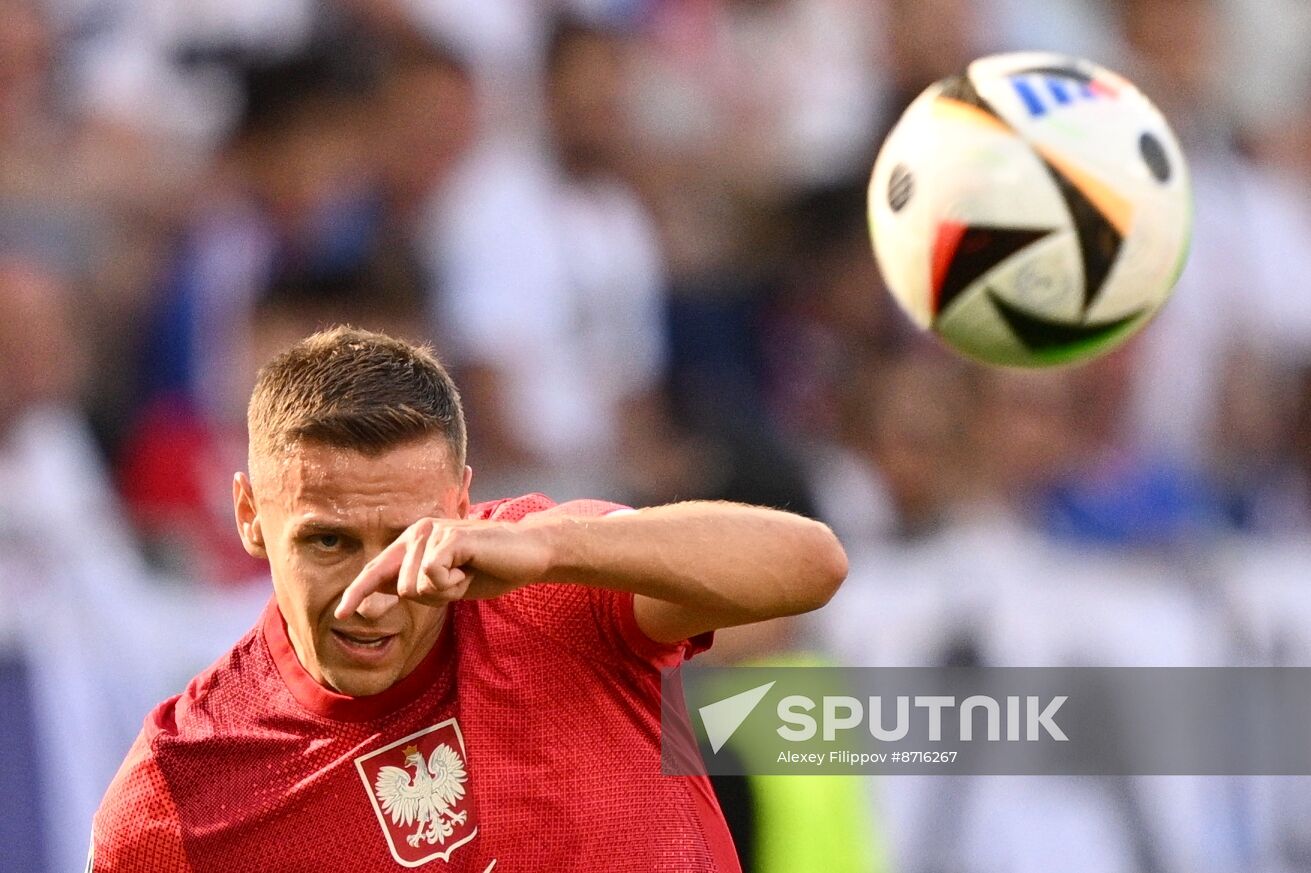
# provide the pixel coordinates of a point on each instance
(427, 798)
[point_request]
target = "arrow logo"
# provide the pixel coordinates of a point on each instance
(724, 717)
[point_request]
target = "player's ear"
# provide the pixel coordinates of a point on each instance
(248, 526)
(464, 492)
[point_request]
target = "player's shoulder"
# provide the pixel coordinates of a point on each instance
(136, 828)
(518, 508)
(207, 728)
(221, 694)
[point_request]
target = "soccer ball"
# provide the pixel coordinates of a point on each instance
(1034, 211)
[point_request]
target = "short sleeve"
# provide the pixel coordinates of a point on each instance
(624, 619)
(617, 606)
(136, 829)
(593, 622)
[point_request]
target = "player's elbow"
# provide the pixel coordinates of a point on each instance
(826, 562)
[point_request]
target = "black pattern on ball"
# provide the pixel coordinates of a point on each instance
(1154, 156)
(961, 88)
(900, 187)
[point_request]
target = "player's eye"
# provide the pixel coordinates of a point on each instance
(329, 542)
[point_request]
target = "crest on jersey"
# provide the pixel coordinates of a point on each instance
(419, 791)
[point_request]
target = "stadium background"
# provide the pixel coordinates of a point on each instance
(642, 250)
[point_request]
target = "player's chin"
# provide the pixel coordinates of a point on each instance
(355, 681)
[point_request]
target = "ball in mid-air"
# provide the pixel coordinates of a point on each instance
(1033, 211)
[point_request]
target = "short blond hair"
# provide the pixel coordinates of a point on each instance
(354, 389)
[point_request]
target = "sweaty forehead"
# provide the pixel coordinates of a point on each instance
(332, 483)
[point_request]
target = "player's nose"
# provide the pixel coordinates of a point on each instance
(376, 605)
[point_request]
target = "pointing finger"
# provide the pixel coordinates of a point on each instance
(374, 577)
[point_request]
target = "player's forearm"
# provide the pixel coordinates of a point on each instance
(747, 562)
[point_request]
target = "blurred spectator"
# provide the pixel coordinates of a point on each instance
(1267, 470)
(176, 471)
(288, 191)
(1023, 434)
(1286, 147)
(41, 361)
(1249, 253)
(898, 469)
(1258, 468)
(87, 645)
(422, 128)
(928, 41)
(52, 490)
(85, 194)
(1266, 60)
(552, 291)
(1112, 492)
(793, 84)
(1072, 27)
(829, 314)
(311, 214)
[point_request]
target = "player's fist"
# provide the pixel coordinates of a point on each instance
(437, 561)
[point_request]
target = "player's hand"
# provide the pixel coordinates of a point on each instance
(437, 561)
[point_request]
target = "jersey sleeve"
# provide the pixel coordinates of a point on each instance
(136, 829)
(624, 622)
(591, 621)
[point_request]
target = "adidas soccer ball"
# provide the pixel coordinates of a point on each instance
(1034, 211)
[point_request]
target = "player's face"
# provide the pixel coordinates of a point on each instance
(319, 514)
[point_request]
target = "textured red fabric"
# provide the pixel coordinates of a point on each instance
(145, 825)
(542, 706)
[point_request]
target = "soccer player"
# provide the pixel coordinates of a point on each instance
(439, 685)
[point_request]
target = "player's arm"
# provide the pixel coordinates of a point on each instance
(693, 566)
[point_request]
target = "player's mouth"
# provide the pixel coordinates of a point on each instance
(369, 648)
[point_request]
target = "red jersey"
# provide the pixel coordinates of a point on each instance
(527, 740)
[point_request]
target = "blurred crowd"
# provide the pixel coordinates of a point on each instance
(634, 229)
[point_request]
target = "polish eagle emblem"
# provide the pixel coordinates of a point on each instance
(422, 792)
(427, 797)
